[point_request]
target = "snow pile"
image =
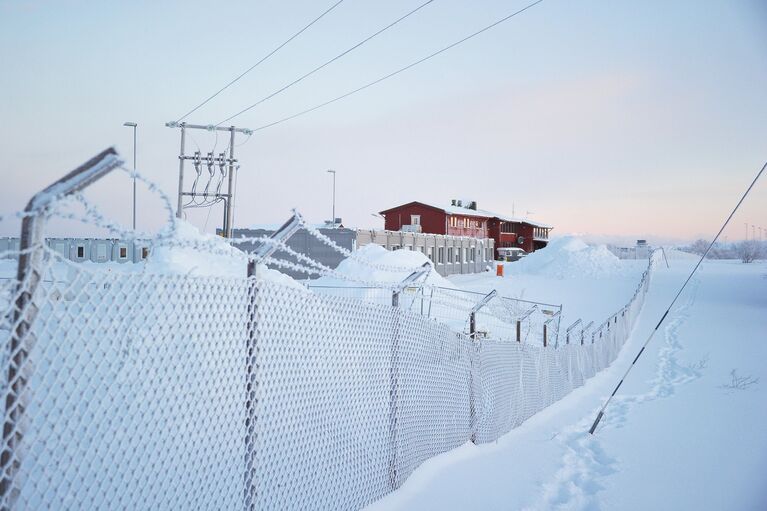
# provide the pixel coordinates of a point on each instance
(187, 251)
(359, 267)
(569, 257)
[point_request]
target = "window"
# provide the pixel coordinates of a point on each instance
(144, 252)
(466, 223)
(431, 254)
(449, 255)
(473, 254)
(415, 219)
(123, 252)
(80, 251)
(458, 255)
(440, 255)
(453, 221)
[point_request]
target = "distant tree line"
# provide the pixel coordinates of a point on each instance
(747, 251)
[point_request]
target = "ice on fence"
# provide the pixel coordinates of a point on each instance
(181, 383)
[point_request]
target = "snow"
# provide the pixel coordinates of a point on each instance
(675, 436)
(568, 257)
(357, 268)
(187, 251)
(179, 253)
(589, 282)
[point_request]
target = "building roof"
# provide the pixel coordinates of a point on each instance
(480, 213)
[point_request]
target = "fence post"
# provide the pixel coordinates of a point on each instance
(29, 275)
(259, 255)
(393, 388)
(250, 391)
(545, 340)
(394, 367)
(473, 335)
(519, 331)
(570, 328)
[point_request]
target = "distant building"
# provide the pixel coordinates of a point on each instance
(463, 218)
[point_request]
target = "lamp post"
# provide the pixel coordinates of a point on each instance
(333, 218)
(134, 126)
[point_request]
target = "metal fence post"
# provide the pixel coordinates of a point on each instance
(394, 368)
(250, 390)
(258, 256)
(473, 335)
(570, 328)
(29, 275)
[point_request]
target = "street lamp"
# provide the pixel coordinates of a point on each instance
(134, 126)
(333, 218)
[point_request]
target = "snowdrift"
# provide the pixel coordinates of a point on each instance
(357, 269)
(568, 257)
(187, 251)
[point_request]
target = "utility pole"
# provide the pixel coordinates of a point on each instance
(226, 165)
(134, 126)
(333, 218)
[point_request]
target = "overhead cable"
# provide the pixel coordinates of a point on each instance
(326, 63)
(390, 75)
(251, 68)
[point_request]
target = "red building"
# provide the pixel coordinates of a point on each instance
(462, 218)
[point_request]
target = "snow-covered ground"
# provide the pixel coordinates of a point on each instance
(589, 282)
(680, 434)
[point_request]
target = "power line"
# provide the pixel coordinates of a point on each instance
(251, 68)
(390, 75)
(702, 257)
(285, 87)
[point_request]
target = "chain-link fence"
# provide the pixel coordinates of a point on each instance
(140, 390)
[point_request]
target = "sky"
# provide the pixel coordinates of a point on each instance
(613, 120)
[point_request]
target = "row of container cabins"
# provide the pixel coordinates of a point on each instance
(97, 250)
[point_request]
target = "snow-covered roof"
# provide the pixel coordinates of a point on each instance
(481, 213)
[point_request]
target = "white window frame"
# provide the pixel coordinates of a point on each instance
(415, 219)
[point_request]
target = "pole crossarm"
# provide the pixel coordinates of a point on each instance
(208, 127)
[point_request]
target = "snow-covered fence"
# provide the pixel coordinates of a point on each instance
(139, 388)
(502, 318)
